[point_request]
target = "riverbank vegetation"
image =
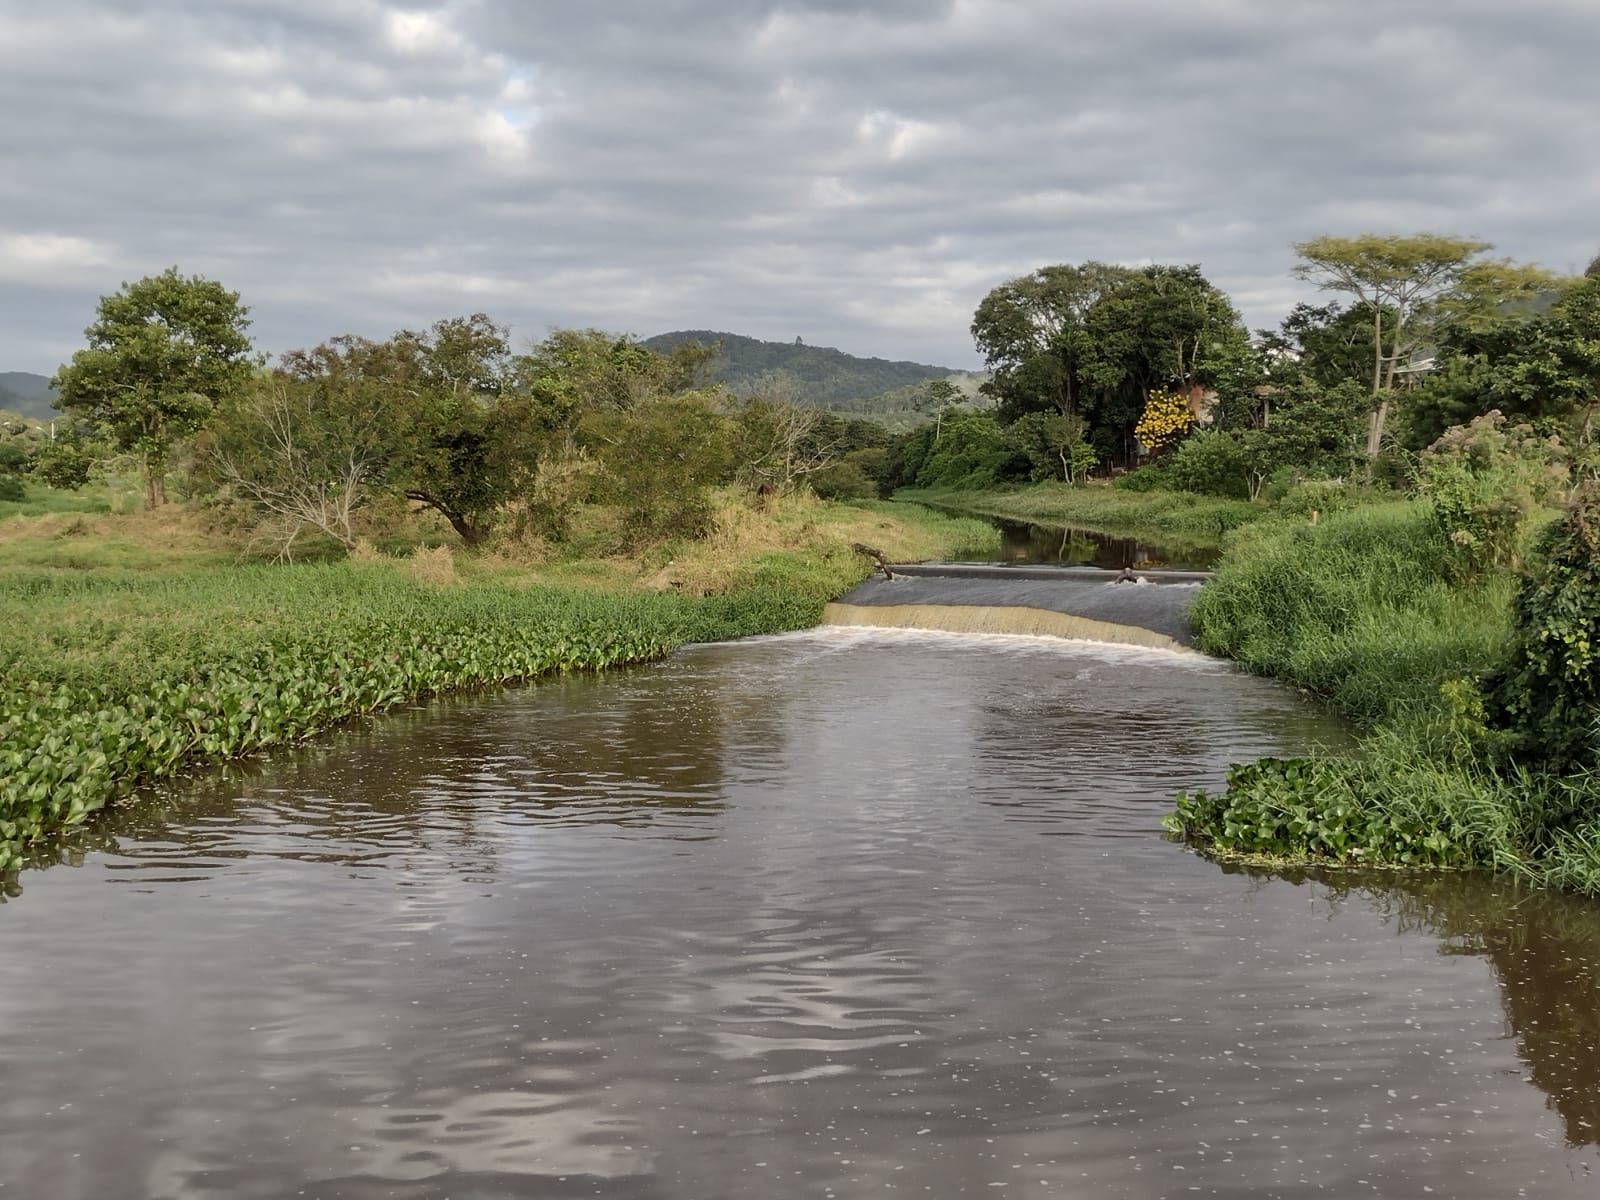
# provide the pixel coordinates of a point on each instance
(367, 522)
(1403, 484)
(1402, 479)
(136, 647)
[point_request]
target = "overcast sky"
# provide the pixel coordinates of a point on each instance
(856, 174)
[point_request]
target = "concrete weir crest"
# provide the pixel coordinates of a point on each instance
(1067, 602)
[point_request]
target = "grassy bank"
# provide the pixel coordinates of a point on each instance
(1105, 509)
(1363, 610)
(122, 668)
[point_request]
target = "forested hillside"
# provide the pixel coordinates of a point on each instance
(817, 375)
(25, 394)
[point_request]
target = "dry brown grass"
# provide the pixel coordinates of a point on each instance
(170, 537)
(434, 565)
(799, 522)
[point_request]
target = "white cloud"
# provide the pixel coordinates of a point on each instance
(857, 172)
(31, 256)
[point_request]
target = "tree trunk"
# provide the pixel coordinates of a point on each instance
(469, 533)
(155, 484)
(1375, 426)
(1377, 347)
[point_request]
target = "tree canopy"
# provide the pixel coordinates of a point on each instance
(1096, 341)
(162, 351)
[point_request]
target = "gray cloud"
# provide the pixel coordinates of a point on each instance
(856, 173)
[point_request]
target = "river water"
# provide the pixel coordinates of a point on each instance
(840, 913)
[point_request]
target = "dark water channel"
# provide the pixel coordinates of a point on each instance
(1026, 544)
(834, 914)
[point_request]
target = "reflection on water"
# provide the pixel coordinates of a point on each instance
(1024, 544)
(838, 913)
(1544, 950)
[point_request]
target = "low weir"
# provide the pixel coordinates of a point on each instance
(1069, 602)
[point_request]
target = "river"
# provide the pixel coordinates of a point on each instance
(834, 914)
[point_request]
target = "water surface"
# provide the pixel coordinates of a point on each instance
(841, 913)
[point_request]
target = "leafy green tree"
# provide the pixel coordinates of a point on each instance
(1094, 341)
(1412, 287)
(966, 450)
(444, 418)
(661, 458)
(1327, 344)
(1033, 333)
(476, 436)
(1542, 368)
(1314, 430)
(66, 461)
(1054, 444)
(162, 352)
(1165, 328)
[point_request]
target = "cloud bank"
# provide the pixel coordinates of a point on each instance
(858, 174)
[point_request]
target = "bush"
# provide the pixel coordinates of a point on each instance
(1212, 463)
(843, 481)
(1151, 477)
(1358, 608)
(1484, 482)
(1548, 692)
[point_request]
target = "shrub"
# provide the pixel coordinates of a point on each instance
(1151, 477)
(1484, 482)
(1212, 463)
(842, 481)
(1548, 691)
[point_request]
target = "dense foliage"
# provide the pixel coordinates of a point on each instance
(162, 352)
(1368, 610)
(1548, 690)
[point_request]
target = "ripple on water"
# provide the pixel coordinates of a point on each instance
(848, 911)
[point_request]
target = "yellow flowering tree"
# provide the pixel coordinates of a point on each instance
(1165, 420)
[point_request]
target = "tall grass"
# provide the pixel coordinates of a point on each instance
(1364, 610)
(1359, 609)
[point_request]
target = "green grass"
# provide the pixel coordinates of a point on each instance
(41, 501)
(1359, 609)
(133, 648)
(1364, 610)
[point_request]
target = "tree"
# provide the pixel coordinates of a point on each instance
(1033, 334)
(1054, 444)
(1410, 285)
(304, 450)
(1313, 429)
(445, 418)
(1166, 328)
(65, 461)
(1327, 345)
(1096, 340)
(1537, 367)
(161, 353)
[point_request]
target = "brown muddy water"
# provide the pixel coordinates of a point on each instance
(836, 914)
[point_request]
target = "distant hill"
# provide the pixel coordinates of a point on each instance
(818, 375)
(27, 395)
